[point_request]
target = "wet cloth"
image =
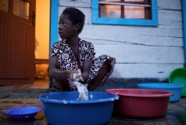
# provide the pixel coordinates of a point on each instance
(67, 61)
(81, 88)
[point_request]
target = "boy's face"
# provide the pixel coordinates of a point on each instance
(66, 28)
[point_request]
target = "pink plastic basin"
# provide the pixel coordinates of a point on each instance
(141, 103)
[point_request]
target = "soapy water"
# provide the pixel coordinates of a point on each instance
(64, 101)
(56, 100)
(91, 96)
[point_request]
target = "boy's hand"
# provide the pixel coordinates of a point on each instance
(75, 75)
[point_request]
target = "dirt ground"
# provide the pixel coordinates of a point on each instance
(28, 96)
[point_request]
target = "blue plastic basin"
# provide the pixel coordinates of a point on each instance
(63, 108)
(22, 113)
(176, 89)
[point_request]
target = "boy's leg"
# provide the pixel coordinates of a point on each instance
(103, 73)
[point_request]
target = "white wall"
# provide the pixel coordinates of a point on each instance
(42, 29)
(140, 52)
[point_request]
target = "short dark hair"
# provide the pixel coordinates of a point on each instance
(76, 16)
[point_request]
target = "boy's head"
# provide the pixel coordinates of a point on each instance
(76, 16)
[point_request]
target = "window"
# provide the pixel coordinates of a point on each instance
(125, 12)
(4, 5)
(21, 8)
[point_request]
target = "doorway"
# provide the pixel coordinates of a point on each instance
(24, 37)
(17, 33)
(42, 39)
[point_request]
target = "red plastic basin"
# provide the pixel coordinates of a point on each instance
(141, 103)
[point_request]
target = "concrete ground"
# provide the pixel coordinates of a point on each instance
(27, 95)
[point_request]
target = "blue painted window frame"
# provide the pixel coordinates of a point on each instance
(53, 22)
(184, 29)
(121, 21)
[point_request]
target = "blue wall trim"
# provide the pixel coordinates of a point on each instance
(117, 21)
(184, 28)
(53, 22)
